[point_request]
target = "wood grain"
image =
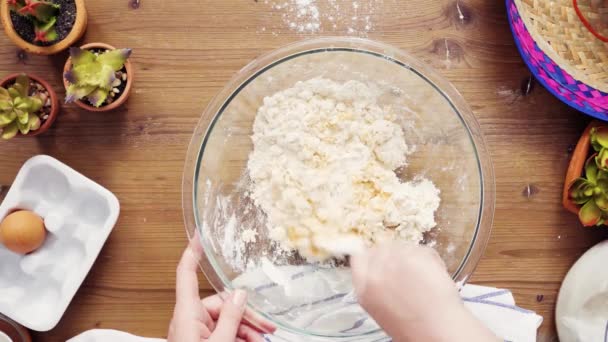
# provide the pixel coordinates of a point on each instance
(185, 51)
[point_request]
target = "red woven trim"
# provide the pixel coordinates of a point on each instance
(587, 24)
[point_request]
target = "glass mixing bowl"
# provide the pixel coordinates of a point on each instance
(315, 301)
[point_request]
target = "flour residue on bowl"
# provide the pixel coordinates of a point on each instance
(323, 170)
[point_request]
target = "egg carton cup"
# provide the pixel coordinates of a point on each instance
(79, 214)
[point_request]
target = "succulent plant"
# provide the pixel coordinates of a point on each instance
(18, 109)
(591, 191)
(93, 74)
(43, 16)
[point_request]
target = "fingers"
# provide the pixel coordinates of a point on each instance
(230, 317)
(213, 305)
(205, 330)
(249, 334)
(259, 322)
(187, 308)
(187, 281)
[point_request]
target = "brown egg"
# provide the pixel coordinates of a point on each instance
(22, 232)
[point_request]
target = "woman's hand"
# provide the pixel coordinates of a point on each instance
(408, 291)
(214, 319)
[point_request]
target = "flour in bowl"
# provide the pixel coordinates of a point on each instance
(323, 169)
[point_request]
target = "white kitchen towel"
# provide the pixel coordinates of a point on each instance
(497, 310)
(495, 307)
(105, 335)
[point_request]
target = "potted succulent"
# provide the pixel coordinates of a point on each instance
(28, 106)
(98, 77)
(586, 187)
(43, 27)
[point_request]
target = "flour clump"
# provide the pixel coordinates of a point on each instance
(323, 168)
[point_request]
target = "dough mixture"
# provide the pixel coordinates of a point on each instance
(323, 169)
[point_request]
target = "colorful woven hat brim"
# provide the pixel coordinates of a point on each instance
(585, 99)
(556, 27)
(541, 60)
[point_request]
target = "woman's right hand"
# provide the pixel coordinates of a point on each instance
(409, 293)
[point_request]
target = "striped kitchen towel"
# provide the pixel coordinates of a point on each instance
(494, 307)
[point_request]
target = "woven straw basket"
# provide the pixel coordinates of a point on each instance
(562, 35)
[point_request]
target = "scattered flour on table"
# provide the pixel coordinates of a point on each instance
(312, 16)
(323, 168)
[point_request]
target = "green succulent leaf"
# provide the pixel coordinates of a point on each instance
(98, 97)
(581, 201)
(593, 140)
(51, 35)
(576, 190)
(75, 92)
(107, 77)
(7, 118)
(5, 105)
(80, 56)
(46, 11)
(591, 169)
(22, 117)
(34, 122)
(601, 200)
(578, 196)
(590, 214)
(603, 184)
(602, 159)
(589, 191)
(10, 131)
(4, 95)
(13, 93)
(93, 74)
(114, 58)
(600, 135)
(22, 85)
(35, 104)
(21, 103)
(24, 128)
(88, 73)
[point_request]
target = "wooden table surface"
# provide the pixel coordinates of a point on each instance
(185, 51)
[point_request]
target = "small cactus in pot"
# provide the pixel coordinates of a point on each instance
(43, 27)
(591, 191)
(27, 106)
(99, 76)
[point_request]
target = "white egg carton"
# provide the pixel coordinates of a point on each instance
(79, 214)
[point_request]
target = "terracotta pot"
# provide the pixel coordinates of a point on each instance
(577, 164)
(80, 26)
(54, 103)
(117, 102)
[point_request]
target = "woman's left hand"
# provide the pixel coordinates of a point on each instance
(217, 318)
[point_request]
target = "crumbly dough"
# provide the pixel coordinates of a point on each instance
(323, 167)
